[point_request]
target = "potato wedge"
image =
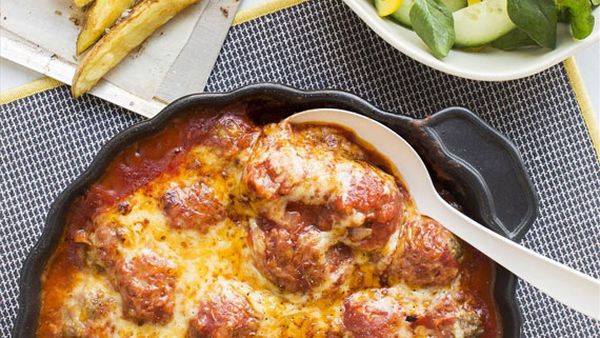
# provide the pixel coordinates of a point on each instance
(102, 15)
(81, 3)
(146, 17)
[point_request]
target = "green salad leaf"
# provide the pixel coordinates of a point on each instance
(580, 15)
(564, 16)
(595, 2)
(517, 38)
(434, 24)
(538, 18)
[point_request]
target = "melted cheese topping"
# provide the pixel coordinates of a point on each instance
(220, 257)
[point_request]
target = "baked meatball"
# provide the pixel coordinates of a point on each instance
(372, 200)
(104, 240)
(231, 133)
(86, 311)
(147, 286)
(454, 315)
(427, 255)
(192, 207)
(299, 259)
(290, 171)
(224, 314)
(374, 314)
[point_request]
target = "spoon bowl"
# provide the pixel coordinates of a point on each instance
(568, 286)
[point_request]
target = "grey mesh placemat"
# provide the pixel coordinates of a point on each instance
(46, 140)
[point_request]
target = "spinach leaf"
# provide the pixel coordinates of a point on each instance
(434, 24)
(580, 13)
(595, 2)
(564, 16)
(538, 18)
(514, 39)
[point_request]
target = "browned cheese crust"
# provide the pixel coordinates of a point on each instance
(221, 228)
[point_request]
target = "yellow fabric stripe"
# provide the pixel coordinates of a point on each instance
(28, 89)
(263, 9)
(584, 102)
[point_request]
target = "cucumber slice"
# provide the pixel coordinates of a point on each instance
(402, 14)
(482, 23)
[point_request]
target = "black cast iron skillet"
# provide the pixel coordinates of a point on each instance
(481, 168)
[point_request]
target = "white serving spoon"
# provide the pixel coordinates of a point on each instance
(570, 287)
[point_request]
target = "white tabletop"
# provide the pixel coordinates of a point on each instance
(588, 61)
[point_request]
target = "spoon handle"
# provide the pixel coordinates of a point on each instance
(568, 286)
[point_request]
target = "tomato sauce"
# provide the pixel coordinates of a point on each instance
(478, 276)
(135, 166)
(162, 152)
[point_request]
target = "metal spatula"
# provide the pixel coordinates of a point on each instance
(194, 64)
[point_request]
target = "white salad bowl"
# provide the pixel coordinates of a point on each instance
(489, 64)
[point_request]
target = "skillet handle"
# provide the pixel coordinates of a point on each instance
(475, 153)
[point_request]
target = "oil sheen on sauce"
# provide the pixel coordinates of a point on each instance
(145, 161)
